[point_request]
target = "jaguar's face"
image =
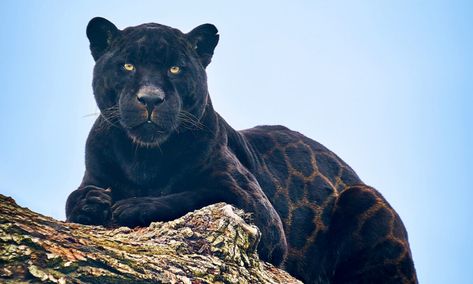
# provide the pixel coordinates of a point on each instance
(150, 80)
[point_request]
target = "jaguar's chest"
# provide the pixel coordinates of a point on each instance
(144, 173)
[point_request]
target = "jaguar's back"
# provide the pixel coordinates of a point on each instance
(336, 227)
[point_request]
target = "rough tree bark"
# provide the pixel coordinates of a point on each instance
(211, 245)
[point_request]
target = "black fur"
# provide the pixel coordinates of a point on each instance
(157, 161)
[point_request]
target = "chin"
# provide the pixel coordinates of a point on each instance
(148, 135)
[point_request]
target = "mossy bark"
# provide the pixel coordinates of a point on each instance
(211, 245)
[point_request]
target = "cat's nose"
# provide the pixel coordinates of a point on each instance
(150, 99)
(150, 96)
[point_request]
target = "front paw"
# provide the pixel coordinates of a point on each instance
(135, 212)
(93, 207)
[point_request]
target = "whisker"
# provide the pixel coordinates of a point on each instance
(109, 120)
(91, 114)
(188, 118)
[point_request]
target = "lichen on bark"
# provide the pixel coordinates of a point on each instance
(211, 245)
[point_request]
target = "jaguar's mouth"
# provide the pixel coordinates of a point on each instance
(148, 123)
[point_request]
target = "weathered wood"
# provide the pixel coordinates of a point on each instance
(211, 245)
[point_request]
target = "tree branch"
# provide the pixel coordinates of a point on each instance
(213, 244)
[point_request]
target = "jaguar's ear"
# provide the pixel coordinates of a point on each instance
(101, 33)
(204, 39)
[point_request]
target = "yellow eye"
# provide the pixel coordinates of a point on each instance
(175, 69)
(129, 67)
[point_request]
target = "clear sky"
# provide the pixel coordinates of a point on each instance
(387, 85)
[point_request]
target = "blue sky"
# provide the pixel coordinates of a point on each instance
(387, 85)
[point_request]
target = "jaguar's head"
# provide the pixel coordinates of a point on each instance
(150, 79)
